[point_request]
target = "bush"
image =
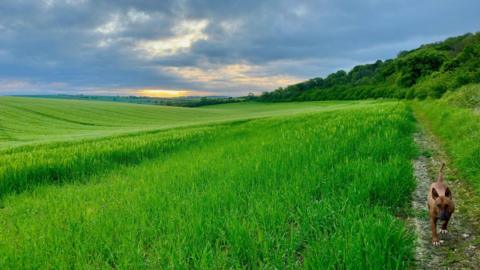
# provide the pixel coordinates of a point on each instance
(467, 96)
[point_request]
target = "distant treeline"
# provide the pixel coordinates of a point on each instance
(428, 71)
(180, 101)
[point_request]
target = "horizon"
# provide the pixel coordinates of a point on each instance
(120, 96)
(171, 49)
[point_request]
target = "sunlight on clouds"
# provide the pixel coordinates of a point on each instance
(110, 27)
(137, 16)
(116, 24)
(236, 74)
(186, 34)
(168, 93)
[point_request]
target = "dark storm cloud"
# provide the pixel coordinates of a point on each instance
(225, 47)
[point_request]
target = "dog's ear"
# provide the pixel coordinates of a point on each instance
(434, 194)
(448, 193)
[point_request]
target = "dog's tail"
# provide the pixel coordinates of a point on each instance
(440, 174)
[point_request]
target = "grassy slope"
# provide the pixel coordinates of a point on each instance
(26, 167)
(455, 119)
(24, 121)
(315, 191)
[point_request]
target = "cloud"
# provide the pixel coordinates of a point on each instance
(18, 87)
(223, 47)
(250, 78)
(186, 33)
(169, 93)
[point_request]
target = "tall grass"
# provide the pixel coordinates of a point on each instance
(23, 168)
(455, 119)
(317, 191)
(26, 168)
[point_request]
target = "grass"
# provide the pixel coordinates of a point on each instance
(318, 190)
(27, 121)
(456, 121)
(35, 164)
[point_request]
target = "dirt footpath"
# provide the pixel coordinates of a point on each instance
(460, 248)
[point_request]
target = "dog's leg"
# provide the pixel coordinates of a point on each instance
(433, 223)
(443, 230)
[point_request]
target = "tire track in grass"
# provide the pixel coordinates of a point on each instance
(460, 248)
(56, 117)
(4, 135)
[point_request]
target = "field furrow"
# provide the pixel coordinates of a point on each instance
(313, 190)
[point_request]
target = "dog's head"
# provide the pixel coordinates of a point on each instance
(443, 202)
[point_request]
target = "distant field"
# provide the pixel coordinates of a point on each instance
(26, 121)
(311, 185)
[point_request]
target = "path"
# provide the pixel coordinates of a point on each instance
(460, 248)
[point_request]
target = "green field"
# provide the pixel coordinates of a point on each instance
(293, 185)
(25, 121)
(239, 135)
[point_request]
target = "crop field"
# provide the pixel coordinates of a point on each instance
(296, 185)
(26, 121)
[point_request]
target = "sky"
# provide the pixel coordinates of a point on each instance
(218, 47)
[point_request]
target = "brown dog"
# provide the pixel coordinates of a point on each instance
(440, 206)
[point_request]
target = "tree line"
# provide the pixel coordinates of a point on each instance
(428, 71)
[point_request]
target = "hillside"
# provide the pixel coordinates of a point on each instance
(428, 71)
(310, 185)
(25, 121)
(267, 193)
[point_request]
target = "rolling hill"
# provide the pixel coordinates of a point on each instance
(26, 121)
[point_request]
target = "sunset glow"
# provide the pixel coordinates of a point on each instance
(167, 93)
